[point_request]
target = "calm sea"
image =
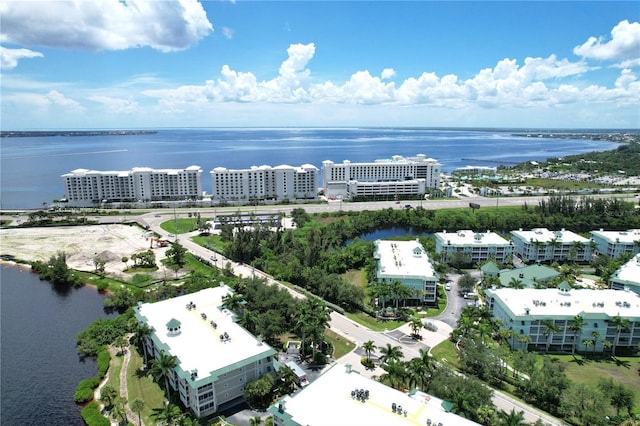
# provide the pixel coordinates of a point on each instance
(40, 368)
(31, 167)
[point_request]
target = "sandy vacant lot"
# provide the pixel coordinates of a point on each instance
(81, 244)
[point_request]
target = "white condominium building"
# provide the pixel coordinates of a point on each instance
(616, 243)
(532, 312)
(627, 276)
(408, 263)
(86, 187)
(216, 357)
(262, 183)
(342, 396)
(543, 245)
(395, 176)
(475, 246)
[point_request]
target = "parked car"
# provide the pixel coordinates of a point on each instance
(447, 286)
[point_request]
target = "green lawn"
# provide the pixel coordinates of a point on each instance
(143, 387)
(372, 323)
(114, 372)
(625, 370)
(341, 346)
(445, 353)
(180, 226)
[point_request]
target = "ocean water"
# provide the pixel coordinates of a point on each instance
(40, 366)
(31, 167)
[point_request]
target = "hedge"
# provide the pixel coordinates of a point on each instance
(93, 417)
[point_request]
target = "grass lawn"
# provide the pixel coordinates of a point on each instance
(372, 323)
(341, 346)
(143, 387)
(445, 353)
(114, 371)
(625, 370)
(180, 226)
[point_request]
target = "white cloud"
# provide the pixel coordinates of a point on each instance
(228, 32)
(116, 105)
(387, 73)
(624, 44)
(9, 57)
(104, 24)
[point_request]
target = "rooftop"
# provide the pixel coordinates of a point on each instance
(200, 343)
(629, 236)
(544, 235)
(555, 302)
(630, 271)
(403, 258)
(467, 237)
(527, 274)
(345, 401)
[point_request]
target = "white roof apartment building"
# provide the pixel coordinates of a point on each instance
(616, 243)
(475, 246)
(627, 276)
(84, 188)
(216, 357)
(396, 176)
(543, 245)
(265, 183)
(525, 310)
(408, 263)
(341, 396)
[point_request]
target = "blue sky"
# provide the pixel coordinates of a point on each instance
(151, 64)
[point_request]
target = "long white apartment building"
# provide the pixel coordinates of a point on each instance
(396, 176)
(84, 188)
(525, 311)
(408, 263)
(475, 246)
(543, 245)
(265, 183)
(342, 396)
(616, 243)
(216, 356)
(627, 276)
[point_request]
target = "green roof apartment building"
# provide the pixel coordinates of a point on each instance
(342, 396)
(216, 357)
(477, 247)
(616, 243)
(627, 276)
(543, 245)
(526, 277)
(408, 263)
(525, 311)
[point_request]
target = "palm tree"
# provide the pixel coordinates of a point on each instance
(142, 331)
(516, 283)
(576, 325)
(596, 336)
(395, 373)
(391, 353)
(418, 373)
(233, 302)
(166, 415)
(108, 395)
(369, 346)
(396, 288)
(311, 321)
(512, 418)
(119, 412)
(606, 346)
(621, 324)
(255, 421)
(550, 328)
(524, 339)
(587, 343)
(137, 406)
(163, 368)
(416, 325)
(286, 379)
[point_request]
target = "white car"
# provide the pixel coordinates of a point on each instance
(447, 286)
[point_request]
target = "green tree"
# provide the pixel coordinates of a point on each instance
(369, 346)
(576, 326)
(511, 418)
(621, 324)
(162, 369)
(258, 392)
(286, 380)
(176, 255)
(390, 352)
(550, 328)
(137, 406)
(119, 412)
(416, 324)
(395, 373)
(585, 403)
(167, 415)
(108, 395)
(466, 283)
(141, 332)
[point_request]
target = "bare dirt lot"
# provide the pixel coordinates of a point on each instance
(81, 244)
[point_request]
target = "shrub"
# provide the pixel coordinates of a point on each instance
(102, 286)
(367, 363)
(103, 360)
(84, 391)
(92, 416)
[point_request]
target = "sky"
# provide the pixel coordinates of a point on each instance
(105, 64)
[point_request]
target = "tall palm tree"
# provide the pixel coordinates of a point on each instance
(369, 346)
(587, 344)
(163, 369)
(621, 324)
(390, 352)
(596, 335)
(416, 325)
(141, 333)
(312, 320)
(233, 302)
(516, 283)
(396, 288)
(137, 406)
(524, 339)
(550, 328)
(166, 415)
(418, 373)
(576, 325)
